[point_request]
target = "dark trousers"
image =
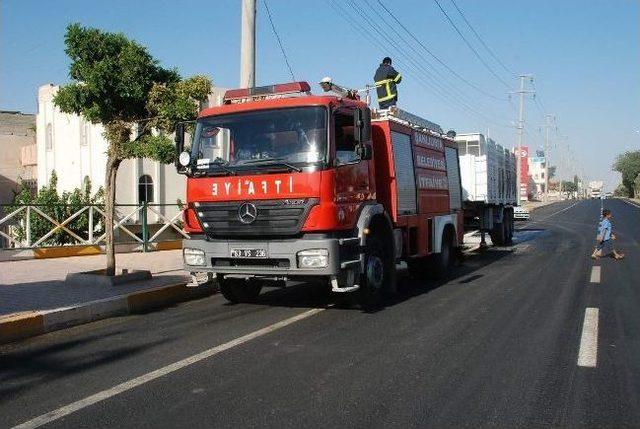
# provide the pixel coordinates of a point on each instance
(388, 103)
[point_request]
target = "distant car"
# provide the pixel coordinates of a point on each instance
(520, 213)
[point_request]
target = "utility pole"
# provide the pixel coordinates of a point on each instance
(248, 45)
(522, 93)
(560, 167)
(547, 125)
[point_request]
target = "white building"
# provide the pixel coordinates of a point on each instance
(76, 148)
(536, 175)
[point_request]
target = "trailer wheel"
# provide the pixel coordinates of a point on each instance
(499, 232)
(239, 290)
(378, 277)
(510, 226)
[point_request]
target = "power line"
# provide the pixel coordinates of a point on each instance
(386, 38)
(469, 45)
(412, 59)
(495, 57)
(275, 32)
(418, 56)
(435, 57)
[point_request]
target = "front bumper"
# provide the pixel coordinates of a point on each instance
(281, 257)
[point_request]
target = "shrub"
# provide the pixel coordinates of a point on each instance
(58, 207)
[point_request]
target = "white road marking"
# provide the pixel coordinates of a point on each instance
(559, 211)
(631, 203)
(588, 353)
(138, 381)
(595, 274)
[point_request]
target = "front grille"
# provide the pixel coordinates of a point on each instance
(272, 217)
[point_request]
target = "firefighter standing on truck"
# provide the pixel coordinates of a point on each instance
(386, 79)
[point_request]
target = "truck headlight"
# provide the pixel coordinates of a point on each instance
(194, 257)
(313, 258)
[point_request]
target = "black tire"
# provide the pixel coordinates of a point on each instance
(239, 290)
(443, 261)
(510, 226)
(498, 233)
(378, 279)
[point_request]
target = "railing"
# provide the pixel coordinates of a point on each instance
(28, 226)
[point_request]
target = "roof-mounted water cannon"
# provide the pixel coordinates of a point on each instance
(327, 85)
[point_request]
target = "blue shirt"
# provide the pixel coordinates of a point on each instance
(605, 229)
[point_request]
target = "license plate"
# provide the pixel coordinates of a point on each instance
(248, 253)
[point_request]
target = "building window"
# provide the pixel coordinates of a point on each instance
(145, 189)
(48, 138)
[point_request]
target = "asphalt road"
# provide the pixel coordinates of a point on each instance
(498, 344)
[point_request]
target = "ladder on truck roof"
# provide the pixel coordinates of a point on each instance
(406, 118)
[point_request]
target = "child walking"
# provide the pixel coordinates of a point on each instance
(605, 237)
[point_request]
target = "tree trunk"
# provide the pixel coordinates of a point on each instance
(109, 210)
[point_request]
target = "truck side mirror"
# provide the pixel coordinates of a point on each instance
(357, 125)
(179, 141)
(364, 151)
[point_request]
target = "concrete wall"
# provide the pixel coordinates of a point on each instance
(17, 131)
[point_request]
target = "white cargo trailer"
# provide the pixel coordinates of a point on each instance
(488, 177)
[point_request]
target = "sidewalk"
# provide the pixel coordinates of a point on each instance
(532, 205)
(35, 292)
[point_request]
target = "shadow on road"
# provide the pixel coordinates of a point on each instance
(316, 295)
(51, 361)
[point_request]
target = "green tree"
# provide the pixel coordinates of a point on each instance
(621, 191)
(636, 185)
(118, 84)
(628, 165)
(569, 186)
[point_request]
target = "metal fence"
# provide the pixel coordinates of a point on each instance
(28, 226)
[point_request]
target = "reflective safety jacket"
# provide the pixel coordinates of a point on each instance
(386, 79)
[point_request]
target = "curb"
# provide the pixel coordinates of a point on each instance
(81, 250)
(29, 324)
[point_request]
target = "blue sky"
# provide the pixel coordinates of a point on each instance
(584, 57)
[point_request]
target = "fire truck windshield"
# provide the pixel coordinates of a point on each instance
(293, 136)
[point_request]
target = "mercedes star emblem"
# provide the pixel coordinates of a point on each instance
(247, 213)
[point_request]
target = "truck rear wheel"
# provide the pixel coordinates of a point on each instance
(239, 290)
(442, 261)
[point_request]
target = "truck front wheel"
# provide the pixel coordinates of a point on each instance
(378, 278)
(239, 290)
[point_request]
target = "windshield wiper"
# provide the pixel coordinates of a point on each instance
(271, 161)
(222, 165)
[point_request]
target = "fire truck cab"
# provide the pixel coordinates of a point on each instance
(286, 185)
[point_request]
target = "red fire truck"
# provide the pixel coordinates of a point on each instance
(285, 185)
